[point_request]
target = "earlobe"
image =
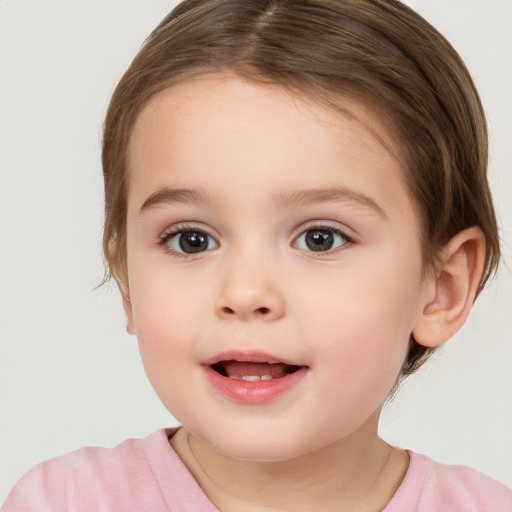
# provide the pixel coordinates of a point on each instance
(453, 290)
(123, 288)
(128, 310)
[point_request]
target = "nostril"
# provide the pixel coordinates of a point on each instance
(228, 311)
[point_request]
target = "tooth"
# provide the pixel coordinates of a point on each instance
(251, 378)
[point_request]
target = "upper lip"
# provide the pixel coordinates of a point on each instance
(251, 356)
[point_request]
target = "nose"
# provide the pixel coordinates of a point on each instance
(249, 290)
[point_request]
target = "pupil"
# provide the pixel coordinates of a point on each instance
(193, 241)
(319, 240)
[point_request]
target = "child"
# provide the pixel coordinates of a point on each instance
(297, 216)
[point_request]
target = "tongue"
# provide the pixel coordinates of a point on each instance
(240, 369)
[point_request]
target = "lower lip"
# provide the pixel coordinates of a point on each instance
(258, 392)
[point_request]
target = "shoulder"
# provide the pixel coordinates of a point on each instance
(93, 477)
(433, 487)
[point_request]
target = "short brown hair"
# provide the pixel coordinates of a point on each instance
(378, 51)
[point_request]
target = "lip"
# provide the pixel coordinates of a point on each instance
(252, 392)
(249, 356)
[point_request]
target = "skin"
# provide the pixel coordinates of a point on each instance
(346, 314)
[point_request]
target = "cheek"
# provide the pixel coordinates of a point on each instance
(364, 321)
(166, 318)
(164, 329)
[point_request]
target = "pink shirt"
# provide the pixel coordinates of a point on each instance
(147, 475)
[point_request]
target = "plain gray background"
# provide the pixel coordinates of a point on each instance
(69, 375)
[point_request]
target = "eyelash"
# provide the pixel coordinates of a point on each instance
(182, 228)
(170, 233)
(324, 227)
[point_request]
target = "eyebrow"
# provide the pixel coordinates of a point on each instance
(167, 195)
(329, 195)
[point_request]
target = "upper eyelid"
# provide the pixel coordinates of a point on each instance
(328, 225)
(181, 227)
(338, 231)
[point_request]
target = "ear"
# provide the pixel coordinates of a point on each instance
(454, 288)
(124, 288)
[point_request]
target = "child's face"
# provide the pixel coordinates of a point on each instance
(299, 244)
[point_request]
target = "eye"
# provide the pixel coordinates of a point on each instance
(190, 241)
(321, 240)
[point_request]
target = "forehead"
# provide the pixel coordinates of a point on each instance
(217, 94)
(213, 123)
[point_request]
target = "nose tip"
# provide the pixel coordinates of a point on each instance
(250, 287)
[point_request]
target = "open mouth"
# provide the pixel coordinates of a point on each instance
(250, 371)
(253, 378)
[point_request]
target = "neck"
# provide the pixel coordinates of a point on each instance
(360, 472)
